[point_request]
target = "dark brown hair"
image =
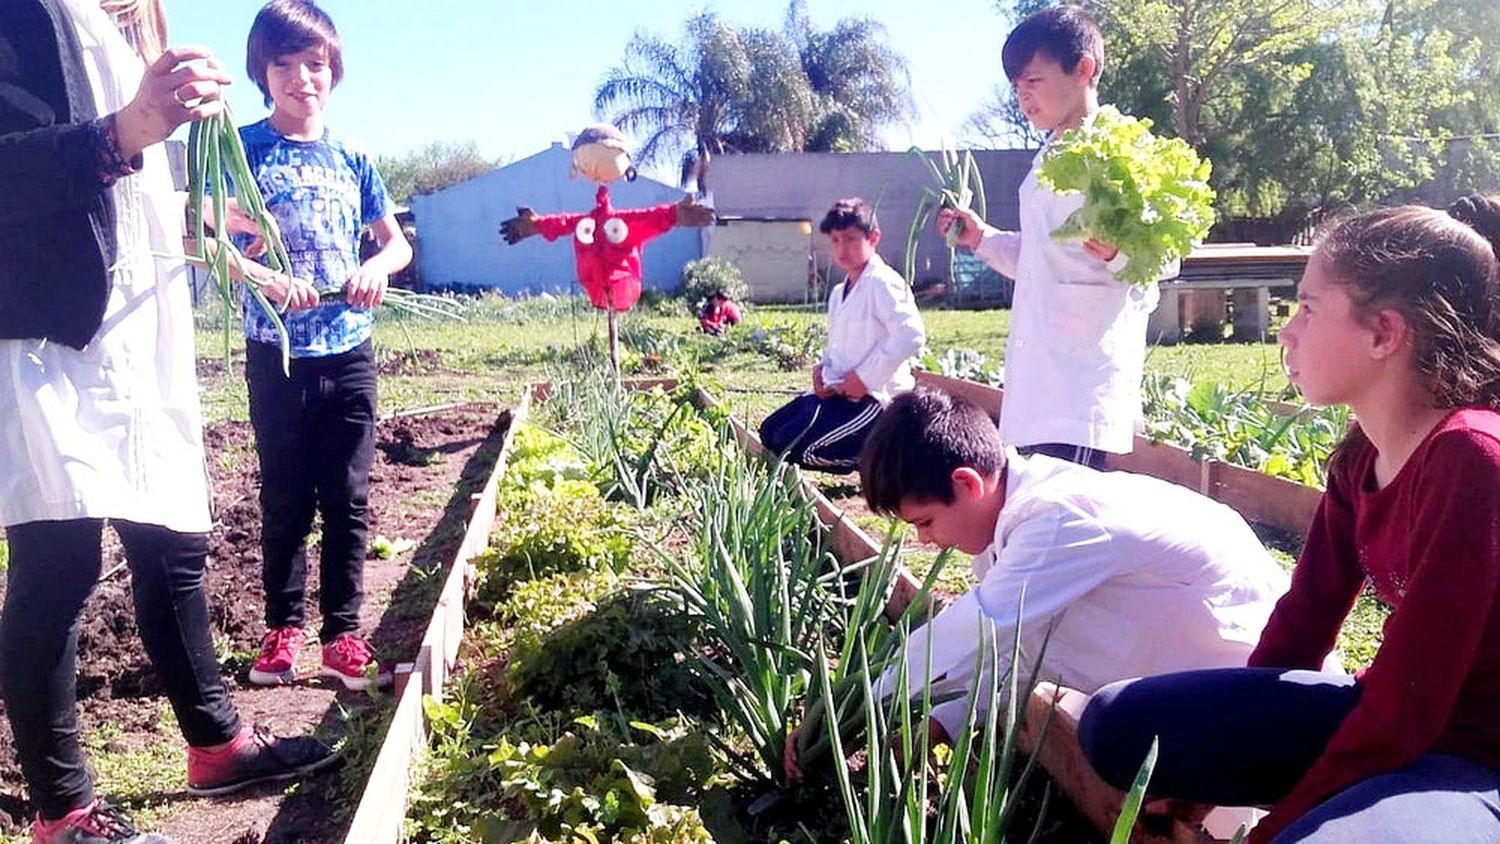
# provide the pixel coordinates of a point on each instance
(284, 27)
(918, 441)
(1439, 270)
(1064, 34)
(850, 213)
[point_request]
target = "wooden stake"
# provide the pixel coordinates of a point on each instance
(614, 342)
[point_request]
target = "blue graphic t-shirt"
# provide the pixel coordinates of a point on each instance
(322, 193)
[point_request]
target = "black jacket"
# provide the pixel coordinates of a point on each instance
(57, 220)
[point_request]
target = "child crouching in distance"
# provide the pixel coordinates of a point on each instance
(1130, 574)
(718, 313)
(1399, 318)
(874, 329)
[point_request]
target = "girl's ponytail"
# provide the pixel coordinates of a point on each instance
(1482, 214)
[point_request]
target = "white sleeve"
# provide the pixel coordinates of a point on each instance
(1001, 250)
(905, 333)
(954, 637)
(1055, 556)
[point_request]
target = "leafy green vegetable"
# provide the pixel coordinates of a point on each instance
(1148, 196)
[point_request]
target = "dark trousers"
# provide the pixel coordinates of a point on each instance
(54, 566)
(315, 434)
(824, 434)
(1245, 737)
(1080, 454)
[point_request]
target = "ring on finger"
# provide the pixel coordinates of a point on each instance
(177, 96)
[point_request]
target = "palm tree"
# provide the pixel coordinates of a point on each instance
(724, 90)
(860, 83)
(729, 90)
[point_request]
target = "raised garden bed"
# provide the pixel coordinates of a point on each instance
(427, 465)
(379, 816)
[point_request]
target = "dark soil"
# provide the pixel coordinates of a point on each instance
(426, 468)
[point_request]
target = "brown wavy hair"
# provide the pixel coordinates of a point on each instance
(1440, 271)
(284, 27)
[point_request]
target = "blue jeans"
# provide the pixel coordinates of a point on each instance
(1245, 736)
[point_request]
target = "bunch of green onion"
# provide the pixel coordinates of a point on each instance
(955, 184)
(216, 161)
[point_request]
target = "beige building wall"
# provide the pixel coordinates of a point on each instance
(773, 255)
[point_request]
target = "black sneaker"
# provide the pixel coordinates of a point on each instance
(96, 823)
(255, 756)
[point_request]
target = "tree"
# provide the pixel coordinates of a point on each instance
(723, 90)
(1320, 104)
(432, 168)
(859, 82)
(728, 89)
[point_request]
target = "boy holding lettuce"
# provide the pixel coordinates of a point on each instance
(1077, 344)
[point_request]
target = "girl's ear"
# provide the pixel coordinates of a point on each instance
(1390, 333)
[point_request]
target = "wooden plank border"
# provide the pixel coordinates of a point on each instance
(381, 814)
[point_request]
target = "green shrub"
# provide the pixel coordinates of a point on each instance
(540, 458)
(597, 782)
(701, 278)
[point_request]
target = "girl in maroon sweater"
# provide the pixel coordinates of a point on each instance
(1399, 318)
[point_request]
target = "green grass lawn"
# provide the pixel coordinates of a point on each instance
(507, 343)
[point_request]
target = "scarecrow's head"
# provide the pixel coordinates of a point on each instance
(599, 155)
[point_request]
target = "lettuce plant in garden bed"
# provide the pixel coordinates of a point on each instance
(1242, 428)
(967, 364)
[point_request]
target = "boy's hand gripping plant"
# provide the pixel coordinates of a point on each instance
(216, 159)
(956, 184)
(1147, 196)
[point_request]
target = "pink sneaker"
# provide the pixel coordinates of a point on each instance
(351, 660)
(96, 823)
(277, 663)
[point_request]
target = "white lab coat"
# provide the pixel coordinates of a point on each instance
(1077, 344)
(1135, 576)
(874, 333)
(113, 431)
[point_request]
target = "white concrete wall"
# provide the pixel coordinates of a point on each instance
(806, 185)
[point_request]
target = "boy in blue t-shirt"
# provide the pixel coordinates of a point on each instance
(314, 430)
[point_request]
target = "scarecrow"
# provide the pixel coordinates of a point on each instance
(607, 241)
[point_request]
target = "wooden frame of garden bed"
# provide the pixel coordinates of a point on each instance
(381, 813)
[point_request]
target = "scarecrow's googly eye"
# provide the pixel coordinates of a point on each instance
(585, 231)
(616, 230)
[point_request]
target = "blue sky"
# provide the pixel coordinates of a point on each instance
(512, 77)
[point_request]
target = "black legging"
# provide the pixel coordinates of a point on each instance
(54, 567)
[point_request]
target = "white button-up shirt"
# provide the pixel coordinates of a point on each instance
(875, 332)
(1135, 576)
(115, 430)
(1077, 344)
